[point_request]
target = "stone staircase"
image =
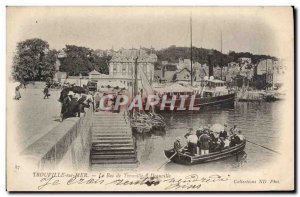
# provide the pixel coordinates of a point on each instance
(112, 141)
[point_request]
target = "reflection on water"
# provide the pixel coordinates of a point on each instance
(259, 123)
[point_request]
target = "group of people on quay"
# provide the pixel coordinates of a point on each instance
(204, 140)
(73, 104)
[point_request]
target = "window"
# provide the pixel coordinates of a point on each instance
(124, 69)
(114, 68)
(130, 69)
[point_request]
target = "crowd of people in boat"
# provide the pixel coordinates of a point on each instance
(204, 141)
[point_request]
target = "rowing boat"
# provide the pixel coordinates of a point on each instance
(188, 159)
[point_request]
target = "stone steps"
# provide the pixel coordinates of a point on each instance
(112, 142)
(109, 152)
(114, 161)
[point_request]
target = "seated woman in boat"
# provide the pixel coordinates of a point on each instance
(242, 138)
(213, 141)
(237, 138)
(224, 133)
(220, 144)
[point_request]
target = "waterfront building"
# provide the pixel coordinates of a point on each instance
(122, 65)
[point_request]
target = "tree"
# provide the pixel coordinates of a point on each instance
(82, 60)
(101, 64)
(34, 61)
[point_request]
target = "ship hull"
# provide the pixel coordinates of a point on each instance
(198, 102)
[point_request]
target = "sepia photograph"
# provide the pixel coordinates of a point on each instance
(148, 99)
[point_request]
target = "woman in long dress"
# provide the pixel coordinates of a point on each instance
(17, 92)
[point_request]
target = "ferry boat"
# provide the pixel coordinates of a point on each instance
(213, 92)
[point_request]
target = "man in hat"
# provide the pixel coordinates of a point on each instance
(192, 140)
(177, 145)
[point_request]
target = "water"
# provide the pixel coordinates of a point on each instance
(259, 122)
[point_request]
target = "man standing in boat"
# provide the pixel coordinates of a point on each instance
(204, 142)
(177, 145)
(192, 142)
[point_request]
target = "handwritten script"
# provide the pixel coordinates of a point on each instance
(166, 181)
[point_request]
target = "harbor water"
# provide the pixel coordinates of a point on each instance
(259, 123)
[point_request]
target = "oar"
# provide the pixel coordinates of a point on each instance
(167, 161)
(263, 147)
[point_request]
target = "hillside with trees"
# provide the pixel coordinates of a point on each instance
(173, 53)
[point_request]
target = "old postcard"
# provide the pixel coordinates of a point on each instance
(150, 99)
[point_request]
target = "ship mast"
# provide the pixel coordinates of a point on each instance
(221, 56)
(191, 32)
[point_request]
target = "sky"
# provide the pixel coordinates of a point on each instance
(256, 30)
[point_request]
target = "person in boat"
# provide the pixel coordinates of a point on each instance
(177, 145)
(213, 141)
(237, 138)
(199, 131)
(224, 133)
(220, 144)
(226, 142)
(234, 129)
(208, 127)
(188, 133)
(204, 142)
(240, 136)
(192, 143)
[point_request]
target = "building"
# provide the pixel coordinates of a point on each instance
(183, 76)
(183, 63)
(200, 71)
(60, 77)
(167, 72)
(122, 65)
(265, 66)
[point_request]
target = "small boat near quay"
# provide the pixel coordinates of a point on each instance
(145, 122)
(188, 159)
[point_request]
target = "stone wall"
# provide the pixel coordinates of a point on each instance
(66, 146)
